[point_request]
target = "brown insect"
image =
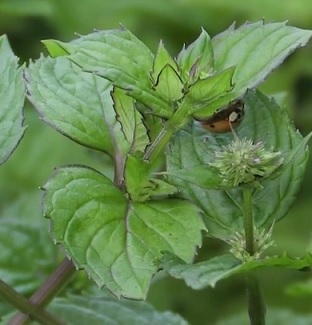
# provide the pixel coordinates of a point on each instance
(225, 119)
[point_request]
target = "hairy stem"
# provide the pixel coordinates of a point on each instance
(256, 307)
(33, 311)
(47, 291)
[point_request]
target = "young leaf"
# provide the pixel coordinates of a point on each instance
(12, 94)
(137, 176)
(208, 273)
(192, 151)
(120, 57)
(213, 87)
(106, 309)
(117, 242)
(135, 134)
(139, 184)
(162, 58)
(75, 103)
(196, 61)
(169, 84)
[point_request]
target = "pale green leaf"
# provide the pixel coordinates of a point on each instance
(75, 103)
(120, 57)
(256, 49)
(117, 242)
(12, 95)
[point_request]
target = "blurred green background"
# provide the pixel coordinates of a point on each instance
(26, 22)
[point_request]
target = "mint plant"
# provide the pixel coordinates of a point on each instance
(108, 92)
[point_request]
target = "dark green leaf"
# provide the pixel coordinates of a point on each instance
(12, 94)
(76, 103)
(21, 228)
(193, 149)
(106, 309)
(208, 273)
(117, 242)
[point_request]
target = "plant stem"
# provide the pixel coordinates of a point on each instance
(159, 144)
(256, 307)
(47, 291)
(175, 123)
(21, 303)
(248, 221)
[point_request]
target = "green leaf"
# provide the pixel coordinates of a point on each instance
(135, 134)
(12, 94)
(117, 242)
(21, 227)
(212, 87)
(75, 103)
(193, 149)
(162, 58)
(105, 309)
(162, 188)
(169, 84)
(255, 50)
(196, 61)
(120, 57)
(54, 48)
(139, 183)
(208, 273)
(137, 175)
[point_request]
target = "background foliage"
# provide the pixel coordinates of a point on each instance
(26, 22)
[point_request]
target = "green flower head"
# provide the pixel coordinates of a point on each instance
(241, 161)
